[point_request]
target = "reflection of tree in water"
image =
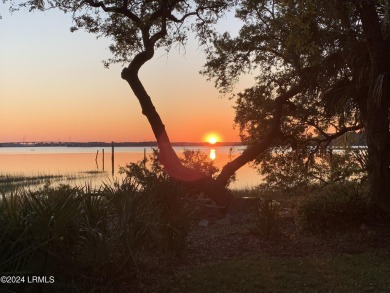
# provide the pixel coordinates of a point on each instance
(231, 153)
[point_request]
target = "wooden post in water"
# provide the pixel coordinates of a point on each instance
(112, 157)
(103, 158)
(97, 153)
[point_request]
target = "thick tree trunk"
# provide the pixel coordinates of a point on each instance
(378, 166)
(378, 105)
(378, 139)
(167, 155)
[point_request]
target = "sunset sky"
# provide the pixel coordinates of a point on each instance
(53, 87)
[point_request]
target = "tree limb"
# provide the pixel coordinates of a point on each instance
(115, 9)
(254, 151)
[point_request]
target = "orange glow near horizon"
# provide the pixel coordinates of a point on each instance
(58, 104)
(212, 138)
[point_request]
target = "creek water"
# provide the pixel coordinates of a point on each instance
(32, 161)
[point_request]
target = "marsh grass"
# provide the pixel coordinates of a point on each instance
(13, 181)
(14, 178)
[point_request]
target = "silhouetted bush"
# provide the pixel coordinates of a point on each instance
(266, 215)
(73, 234)
(88, 240)
(166, 196)
(333, 208)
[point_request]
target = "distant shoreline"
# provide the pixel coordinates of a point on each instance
(142, 144)
(116, 144)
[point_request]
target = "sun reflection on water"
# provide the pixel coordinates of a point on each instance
(212, 154)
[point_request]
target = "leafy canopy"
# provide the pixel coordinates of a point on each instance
(318, 47)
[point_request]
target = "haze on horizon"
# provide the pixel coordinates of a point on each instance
(55, 88)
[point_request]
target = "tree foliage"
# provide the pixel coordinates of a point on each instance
(150, 171)
(324, 50)
(289, 43)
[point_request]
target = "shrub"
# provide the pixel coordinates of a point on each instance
(266, 214)
(286, 169)
(88, 239)
(174, 217)
(165, 197)
(334, 207)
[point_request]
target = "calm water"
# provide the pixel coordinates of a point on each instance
(68, 160)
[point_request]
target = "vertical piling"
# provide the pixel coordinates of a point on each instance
(97, 153)
(103, 158)
(112, 157)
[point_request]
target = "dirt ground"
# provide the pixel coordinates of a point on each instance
(223, 239)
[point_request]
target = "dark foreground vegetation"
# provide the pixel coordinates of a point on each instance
(151, 234)
(88, 240)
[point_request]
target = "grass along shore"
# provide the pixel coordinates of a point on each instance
(13, 181)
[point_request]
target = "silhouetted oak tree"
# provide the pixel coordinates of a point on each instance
(328, 64)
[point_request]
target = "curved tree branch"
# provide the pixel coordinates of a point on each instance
(122, 10)
(167, 155)
(254, 151)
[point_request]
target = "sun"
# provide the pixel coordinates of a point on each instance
(212, 138)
